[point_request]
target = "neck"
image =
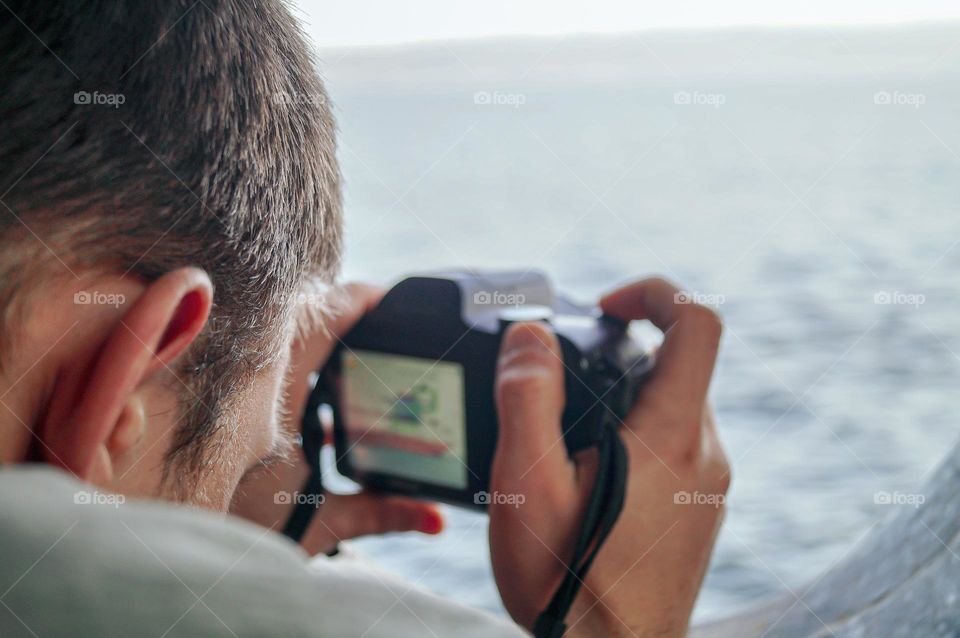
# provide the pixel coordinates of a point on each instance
(17, 422)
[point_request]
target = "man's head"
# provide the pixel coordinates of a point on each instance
(149, 151)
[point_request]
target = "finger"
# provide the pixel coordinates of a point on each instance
(530, 401)
(347, 304)
(350, 304)
(686, 359)
(315, 343)
(354, 515)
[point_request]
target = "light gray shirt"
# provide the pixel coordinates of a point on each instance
(75, 562)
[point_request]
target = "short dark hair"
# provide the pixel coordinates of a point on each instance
(142, 137)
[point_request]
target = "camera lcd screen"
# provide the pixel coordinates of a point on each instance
(405, 416)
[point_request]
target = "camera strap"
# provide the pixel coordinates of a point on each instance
(305, 508)
(311, 442)
(603, 510)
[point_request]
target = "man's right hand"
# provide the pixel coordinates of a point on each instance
(648, 573)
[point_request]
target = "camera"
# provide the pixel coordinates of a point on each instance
(410, 389)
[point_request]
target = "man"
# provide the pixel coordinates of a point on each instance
(170, 198)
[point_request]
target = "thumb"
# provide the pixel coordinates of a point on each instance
(530, 462)
(530, 401)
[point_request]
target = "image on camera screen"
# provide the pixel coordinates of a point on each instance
(405, 417)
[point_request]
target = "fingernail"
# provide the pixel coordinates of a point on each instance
(431, 523)
(524, 336)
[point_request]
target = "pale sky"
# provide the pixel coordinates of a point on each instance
(366, 22)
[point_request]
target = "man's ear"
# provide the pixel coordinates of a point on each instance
(96, 412)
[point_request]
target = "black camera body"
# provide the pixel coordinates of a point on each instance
(411, 386)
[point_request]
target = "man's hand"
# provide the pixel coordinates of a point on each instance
(341, 517)
(647, 574)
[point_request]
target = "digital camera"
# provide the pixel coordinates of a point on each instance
(410, 389)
